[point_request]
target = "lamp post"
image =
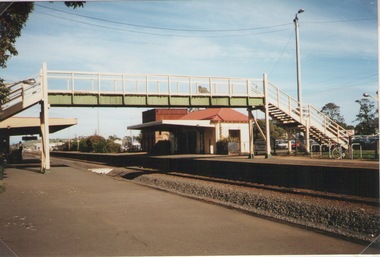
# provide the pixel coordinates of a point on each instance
(374, 98)
(26, 81)
(299, 98)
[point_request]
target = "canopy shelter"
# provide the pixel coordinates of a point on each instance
(169, 125)
(25, 126)
(21, 126)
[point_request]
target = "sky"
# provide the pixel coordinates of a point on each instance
(242, 38)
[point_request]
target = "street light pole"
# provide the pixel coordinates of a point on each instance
(299, 98)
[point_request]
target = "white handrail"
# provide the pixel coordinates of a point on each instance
(152, 84)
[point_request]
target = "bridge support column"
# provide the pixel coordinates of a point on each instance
(44, 121)
(267, 128)
(251, 154)
(307, 137)
(289, 135)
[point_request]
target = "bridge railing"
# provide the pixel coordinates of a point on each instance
(106, 83)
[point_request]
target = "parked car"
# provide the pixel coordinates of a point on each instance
(282, 144)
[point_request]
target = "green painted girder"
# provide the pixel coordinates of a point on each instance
(154, 100)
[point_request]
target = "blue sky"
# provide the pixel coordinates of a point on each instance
(338, 45)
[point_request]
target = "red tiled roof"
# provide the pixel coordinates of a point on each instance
(216, 114)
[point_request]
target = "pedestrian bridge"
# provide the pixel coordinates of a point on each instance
(125, 90)
(92, 89)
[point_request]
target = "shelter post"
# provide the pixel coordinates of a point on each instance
(267, 128)
(44, 121)
(251, 154)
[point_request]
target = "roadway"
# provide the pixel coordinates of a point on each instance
(74, 212)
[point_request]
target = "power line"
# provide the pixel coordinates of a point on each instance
(159, 34)
(350, 84)
(164, 28)
(283, 51)
(341, 21)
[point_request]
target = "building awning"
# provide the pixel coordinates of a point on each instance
(19, 126)
(166, 125)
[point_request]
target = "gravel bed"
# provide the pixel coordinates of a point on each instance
(354, 221)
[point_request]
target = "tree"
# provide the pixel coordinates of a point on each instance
(112, 147)
(276, 132)
(12, 21)
(332, 111)
(4, 91)
(13, 18)
(113, 138)
(367, 117)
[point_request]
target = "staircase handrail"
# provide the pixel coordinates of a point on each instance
(327, 125)
(283, 101)
(19, 92)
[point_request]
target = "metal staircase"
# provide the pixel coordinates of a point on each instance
(21, 96)
(286, 111)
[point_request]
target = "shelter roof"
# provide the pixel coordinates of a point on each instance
(168, 125)
(19, 126)
(216, 114)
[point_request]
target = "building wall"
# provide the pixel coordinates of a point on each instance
(225, 127)
(163, 114)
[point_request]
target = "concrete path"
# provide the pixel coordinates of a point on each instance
(73, 212)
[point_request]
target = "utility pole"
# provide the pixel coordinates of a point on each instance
(299, 97)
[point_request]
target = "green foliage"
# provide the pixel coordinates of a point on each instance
(100, 147)
(367, 117)
(95, 144)
(75, 4)
(276, 132)
(4, 91)
(12, 21)
(83, 146)
(222, 144)
(112, 147)
(332, 111)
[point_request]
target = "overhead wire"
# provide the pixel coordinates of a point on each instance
(283, 51)
(163, 28)
(159, 34)
(350, 84)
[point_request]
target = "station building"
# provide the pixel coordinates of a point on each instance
(180, 131)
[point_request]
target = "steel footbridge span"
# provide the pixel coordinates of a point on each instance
(92, 89)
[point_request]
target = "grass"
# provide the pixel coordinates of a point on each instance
(366, 155)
